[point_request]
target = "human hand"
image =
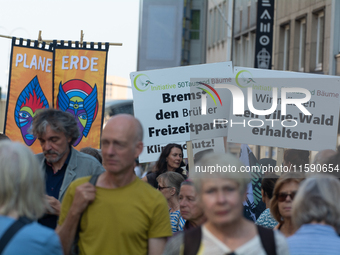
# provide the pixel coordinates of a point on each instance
(84, 195)
(54, 204)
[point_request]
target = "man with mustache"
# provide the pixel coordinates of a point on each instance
(57, 131)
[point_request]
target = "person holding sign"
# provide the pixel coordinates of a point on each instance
(171, 159)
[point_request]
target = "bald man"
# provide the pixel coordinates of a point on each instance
(121, 214)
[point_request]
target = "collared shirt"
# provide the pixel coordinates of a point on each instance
(53, 185)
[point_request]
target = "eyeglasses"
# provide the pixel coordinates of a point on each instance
(161, 188)
(281, 197)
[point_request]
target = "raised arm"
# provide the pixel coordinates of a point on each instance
(69, 220)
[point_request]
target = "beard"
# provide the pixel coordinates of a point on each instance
(48, 155)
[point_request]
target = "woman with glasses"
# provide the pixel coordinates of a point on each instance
(171, 159)
(316, 215)
(169, 184)
(281, 203)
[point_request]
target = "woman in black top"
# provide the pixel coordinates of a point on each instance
(171, 159)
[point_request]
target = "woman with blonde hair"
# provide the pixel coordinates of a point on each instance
(221, 186)
(281, 202)
(22, 202)
(316, 215)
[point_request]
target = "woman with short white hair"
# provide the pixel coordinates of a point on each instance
(22, 202)
(221, 188)
(316, 215)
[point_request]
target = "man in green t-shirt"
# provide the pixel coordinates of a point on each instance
(121, 214)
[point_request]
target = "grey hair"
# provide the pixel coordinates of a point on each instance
(59, 121)
(22, 185)
(172, 179)
(187, 182)
(219, 163)
(317, 200)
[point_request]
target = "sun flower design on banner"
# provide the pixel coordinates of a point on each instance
(29, 101)
(80, 99)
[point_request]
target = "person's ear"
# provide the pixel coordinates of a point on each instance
(139, 148)
(172, 191)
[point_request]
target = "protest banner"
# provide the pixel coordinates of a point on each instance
(168, 104)
(295, 129)
(152, 153)
(253, 205)
(29, 89)
(79, 87)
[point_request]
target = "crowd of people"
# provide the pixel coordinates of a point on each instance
(65, 201)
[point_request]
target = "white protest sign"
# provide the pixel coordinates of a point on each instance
(296, 129)
(169, 105)
(152, 153)
(203, 146)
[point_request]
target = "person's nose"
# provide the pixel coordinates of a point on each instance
(221, 198)
(183, 203)
(289, 198)
(46, 146)
(111, 150)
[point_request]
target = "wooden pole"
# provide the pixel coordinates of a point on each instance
(279, 159)
(58, 41)
(190, 155)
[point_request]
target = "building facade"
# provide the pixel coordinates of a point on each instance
(307, 36)
(219, 30)
(171, 33)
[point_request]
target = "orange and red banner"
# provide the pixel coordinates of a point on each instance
(30, 89)
(79, 85)
(68, 78)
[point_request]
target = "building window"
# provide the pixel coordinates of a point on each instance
(302, 44)
(224, 22)
(286, 48)
(319, 41)
(215, 25)
(238, 57)
(241, 18)
(195, 24)
(245, 42)
(211, 28)
(252, 48)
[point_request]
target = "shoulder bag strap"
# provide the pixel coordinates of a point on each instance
(75, 248)
(12, 230)
(267, 240)
(192, 241)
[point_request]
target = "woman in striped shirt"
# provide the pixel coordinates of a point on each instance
(169, 184)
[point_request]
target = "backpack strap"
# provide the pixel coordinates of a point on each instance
(12, 230)
(75, 248)
(192, 241)
(193, 237)
(267, 240)
(94, 179)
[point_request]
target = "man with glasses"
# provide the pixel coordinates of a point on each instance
(120, 214)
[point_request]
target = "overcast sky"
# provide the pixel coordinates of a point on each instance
(101, 21)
